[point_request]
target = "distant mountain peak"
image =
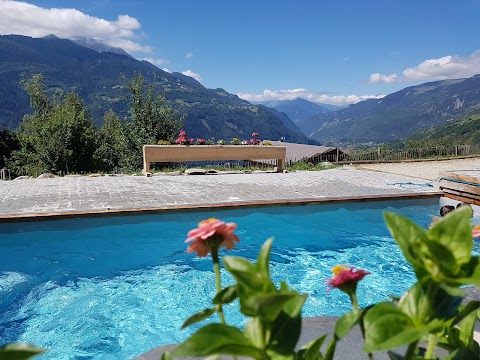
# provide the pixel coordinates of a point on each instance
(299, 109)
(96, 45)
(51, 36)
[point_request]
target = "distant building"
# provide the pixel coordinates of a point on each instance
(310, 153)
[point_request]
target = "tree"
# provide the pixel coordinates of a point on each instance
(152, 119)
(112, 143)
(8, 143)
(58, 136)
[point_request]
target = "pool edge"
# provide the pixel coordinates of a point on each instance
(25, 217)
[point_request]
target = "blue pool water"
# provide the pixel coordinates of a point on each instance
(113, 288)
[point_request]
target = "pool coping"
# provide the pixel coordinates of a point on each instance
(46, 216)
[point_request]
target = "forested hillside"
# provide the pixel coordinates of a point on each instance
(465, 131)
(97, 78)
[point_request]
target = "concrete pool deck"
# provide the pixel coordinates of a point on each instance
(83, 195)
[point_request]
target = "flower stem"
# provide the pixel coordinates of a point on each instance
(353, 299)
(432, 342)
(216, 270)
(356, 309)
(410, 351)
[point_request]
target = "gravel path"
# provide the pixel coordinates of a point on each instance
(424, 169)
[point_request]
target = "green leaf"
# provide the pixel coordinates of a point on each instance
(201, 315)
(268, 307)
(311, 350)
(212, 357)
(226, 296)
(445, 306)
(454, 231)
(238, 264)
(166, 356)
(462, 354)
(438, 260)
(330, 352)
(263, 258)
(387, 326)
(20, 351)
(453, 290)
(285, 332)
(422, 306)
(255, 331)
(346, 323)
(293, 307)
(248, 278)
(408, 236)
(470, 273)
(464, 331)
(466, 310)
(415, 304)
(218, 339)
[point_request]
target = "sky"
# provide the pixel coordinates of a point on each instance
(333, 51)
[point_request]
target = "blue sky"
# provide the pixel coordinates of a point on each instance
(336, 52)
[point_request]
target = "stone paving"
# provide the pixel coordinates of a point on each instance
(116, 193)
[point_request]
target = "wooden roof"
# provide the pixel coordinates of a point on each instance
(297, 152)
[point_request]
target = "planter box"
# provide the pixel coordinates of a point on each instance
(182, 153)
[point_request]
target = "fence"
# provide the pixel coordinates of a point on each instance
(381, 154)
(5, 174)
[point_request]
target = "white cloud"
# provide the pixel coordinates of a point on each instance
(446, 67)
(193, 75)
(189, 55)
(22, 18)
(303, 93)
(167, 70)
(388, 79)
(158, 62)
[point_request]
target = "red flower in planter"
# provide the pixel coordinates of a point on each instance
(254, 140)
(182, 138)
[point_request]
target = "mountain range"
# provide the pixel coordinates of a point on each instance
(94, 71)
(398, 115)
(96, 75)
(300, 109)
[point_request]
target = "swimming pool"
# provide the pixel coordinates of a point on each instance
(113, 288)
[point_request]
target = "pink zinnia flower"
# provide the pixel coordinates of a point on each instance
(210, 233)
(345, 278)
(476, 231)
